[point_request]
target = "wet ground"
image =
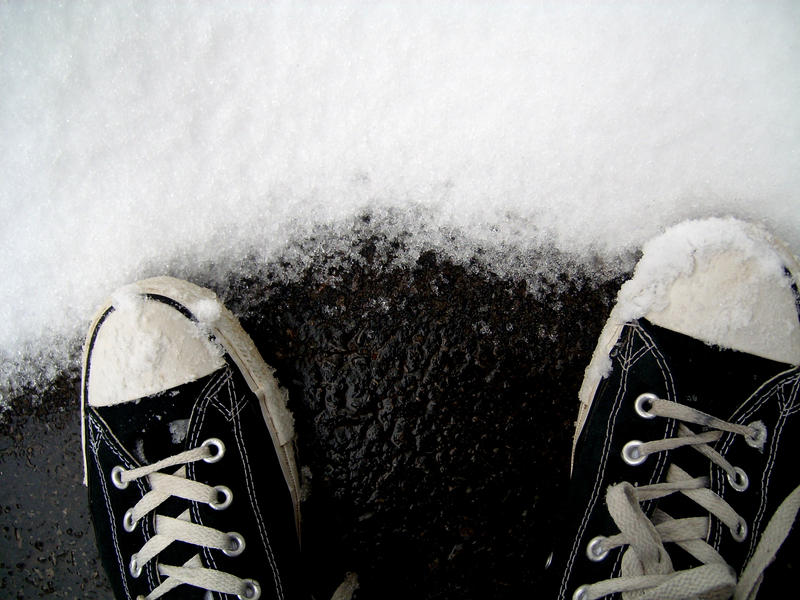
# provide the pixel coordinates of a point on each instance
(434, 407)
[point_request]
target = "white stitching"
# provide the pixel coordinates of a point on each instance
(595, 487)
(202, 406)
(213, 395)
(657, 474)
(254, 504)
(597, 483)
(94, 443)
(627, 360)
(763, 391)
(745, 411)
(146, 524)
(787, 408)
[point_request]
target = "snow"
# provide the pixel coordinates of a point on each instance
(178, 429)
(206, 310)
(160, 137)
(127, 299)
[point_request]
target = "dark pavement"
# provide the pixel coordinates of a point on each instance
(434, 407)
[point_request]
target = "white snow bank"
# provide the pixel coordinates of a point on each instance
(162, 137)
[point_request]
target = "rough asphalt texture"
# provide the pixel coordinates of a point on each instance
(434, 408)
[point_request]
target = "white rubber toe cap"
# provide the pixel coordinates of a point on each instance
(143, 347)
(721, 281)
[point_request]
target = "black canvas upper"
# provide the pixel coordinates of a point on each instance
(219, 405)
(730, 385)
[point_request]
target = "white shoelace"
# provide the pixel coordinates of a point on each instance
(646, 571)
(182, 529)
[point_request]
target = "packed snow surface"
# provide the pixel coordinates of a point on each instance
(141, 138)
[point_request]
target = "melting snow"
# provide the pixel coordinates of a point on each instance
(178, 429)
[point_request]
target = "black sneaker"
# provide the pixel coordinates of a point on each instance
(188, 450)
(684, 482)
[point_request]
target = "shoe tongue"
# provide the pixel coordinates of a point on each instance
(155, 427)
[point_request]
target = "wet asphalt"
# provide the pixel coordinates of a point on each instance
(434, 405)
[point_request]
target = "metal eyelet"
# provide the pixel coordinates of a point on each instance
(236, 544)
(250, 591)
(134, 567)
(739, 533)
(225, 491)
(632, 453)
(116, 478)
(128, 524)
(594, 549)
(580, 593)
(740, 482)
(218, 453)
(643, 404)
